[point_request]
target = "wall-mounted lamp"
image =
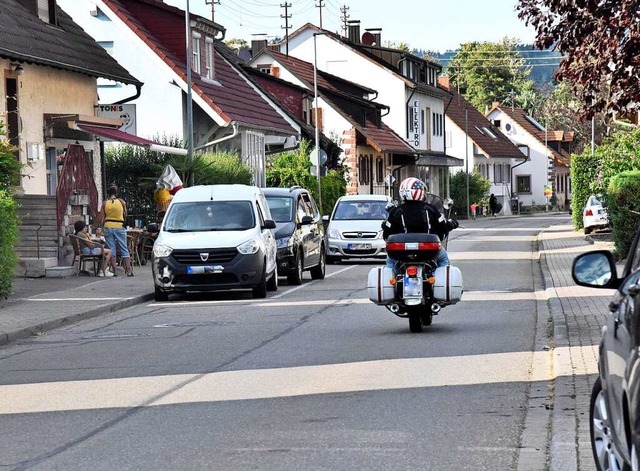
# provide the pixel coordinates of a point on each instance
(17, 68)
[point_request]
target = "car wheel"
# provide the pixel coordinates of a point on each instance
(260, 291)
(159, 295)
(272, 284)
(295, 278)
(604, 450)
(318, 272)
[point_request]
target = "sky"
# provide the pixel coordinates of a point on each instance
(433, 25)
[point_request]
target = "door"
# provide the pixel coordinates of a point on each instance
(314, 234)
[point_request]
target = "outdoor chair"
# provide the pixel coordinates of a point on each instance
(83, 259)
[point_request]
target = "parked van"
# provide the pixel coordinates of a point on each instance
(216, 237)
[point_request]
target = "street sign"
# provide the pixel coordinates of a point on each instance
(314, 157)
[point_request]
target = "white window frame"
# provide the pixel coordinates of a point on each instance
(208, 51)
(195, 51)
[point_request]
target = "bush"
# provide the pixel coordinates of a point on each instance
(624, 200)
(8, 237)
(9, 165)
(333, 185)
(478, 188)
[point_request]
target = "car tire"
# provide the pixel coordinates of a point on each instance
(295, 278)
(318, 272)
(260, 291)
(272, 284)
(332, 260)
(159, 295)
(587, 230)
(605, 454)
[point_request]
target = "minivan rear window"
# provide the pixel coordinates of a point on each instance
(210, 216)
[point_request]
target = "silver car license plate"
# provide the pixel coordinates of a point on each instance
(359, 246)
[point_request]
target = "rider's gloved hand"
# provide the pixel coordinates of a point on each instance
(452, 224)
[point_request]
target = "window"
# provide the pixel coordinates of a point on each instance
(497, 173)
(379, 170)
(496, 123)
(523, 183)
(208, 51)
(364, 170)
(422, 120)
(195, 52)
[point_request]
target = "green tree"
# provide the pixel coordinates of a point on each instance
(478, 188)
(488, 72)
(9, 177)
(9, 165)
(624, 207)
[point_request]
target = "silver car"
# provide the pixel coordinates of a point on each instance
(355, 227)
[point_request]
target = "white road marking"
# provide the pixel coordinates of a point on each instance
(381, 375)
(289, 291)
(73, 299)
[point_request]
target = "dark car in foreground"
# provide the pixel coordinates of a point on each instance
(615, 399)
(299, 233)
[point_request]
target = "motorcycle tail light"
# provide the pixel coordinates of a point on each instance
(429, 246)
(412, 270)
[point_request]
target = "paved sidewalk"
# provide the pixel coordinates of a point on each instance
(38, 305)
(578, 316)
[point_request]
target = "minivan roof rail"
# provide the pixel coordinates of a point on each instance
(295, 187)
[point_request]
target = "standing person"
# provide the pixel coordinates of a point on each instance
(493, 204)
(89, 247)
(414, 215)
(113, 214)
(473, 208)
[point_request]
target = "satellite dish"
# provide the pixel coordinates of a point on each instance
(368, 38)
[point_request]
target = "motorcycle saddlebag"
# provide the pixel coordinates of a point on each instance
(448, 285)
(379, 285)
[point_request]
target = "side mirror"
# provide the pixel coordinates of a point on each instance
(325, 218)
(448, 203)
(306, 220)
(595, 269)
(269, 224)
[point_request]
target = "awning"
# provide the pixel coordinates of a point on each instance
(113, 134)
(439, 160)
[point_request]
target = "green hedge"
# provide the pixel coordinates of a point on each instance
(478, 188)
(584, 171)
(624, 200)
(8, 237)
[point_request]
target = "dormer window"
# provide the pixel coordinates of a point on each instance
(195, 51)
(208, 60)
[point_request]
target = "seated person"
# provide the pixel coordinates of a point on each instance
(89, 247)
(99, 236)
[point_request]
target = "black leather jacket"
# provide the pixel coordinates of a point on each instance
(417, 216)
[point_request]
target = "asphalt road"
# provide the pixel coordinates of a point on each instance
(312, 378)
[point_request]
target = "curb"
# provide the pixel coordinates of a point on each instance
(563, 449)
(7, 337)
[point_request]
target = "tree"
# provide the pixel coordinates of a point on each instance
(478, 187)
(487, 72)
(236, 44)
(600, 43)
(400, 46)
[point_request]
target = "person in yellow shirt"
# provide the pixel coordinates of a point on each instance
(112, 215)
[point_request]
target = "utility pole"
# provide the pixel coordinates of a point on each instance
(344, 19)
(286, 26)
(320, 6)
(187, 26)
(213, 4)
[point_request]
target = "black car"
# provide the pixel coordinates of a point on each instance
(615, 399)
(299, 233)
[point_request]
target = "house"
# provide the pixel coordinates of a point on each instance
(405, 83)
(549, 157)
(345, 112)
(51, 69)
(148, 37)
(470, 135)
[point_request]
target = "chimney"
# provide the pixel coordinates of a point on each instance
(377, 35)
(257, 45)
(444, 82)
(495, 104)
(353, 28)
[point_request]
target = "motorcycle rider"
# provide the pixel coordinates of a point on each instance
(415, 215)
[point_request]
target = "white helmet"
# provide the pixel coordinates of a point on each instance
(413, 189)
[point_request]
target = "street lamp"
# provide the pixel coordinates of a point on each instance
(317, 131)
(187, 17)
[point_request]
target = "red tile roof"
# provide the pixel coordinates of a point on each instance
(479, 129)
(162, 27)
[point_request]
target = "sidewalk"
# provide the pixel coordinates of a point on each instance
(41, 304)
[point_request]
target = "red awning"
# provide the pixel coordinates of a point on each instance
(113, 134)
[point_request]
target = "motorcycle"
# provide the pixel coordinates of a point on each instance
(417, 289)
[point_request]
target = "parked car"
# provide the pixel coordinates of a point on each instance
(216, 237)
(299, 233)
(355, 227)
(615, 399)
(595, 215)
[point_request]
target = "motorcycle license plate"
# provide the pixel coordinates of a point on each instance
(412, 287)
(359, 246)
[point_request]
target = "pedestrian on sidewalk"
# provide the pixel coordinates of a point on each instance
(493, 205)
(473, 208)
(89, 247)
(113, 214)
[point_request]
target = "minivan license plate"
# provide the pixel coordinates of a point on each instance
(202, 269)
(359, 246)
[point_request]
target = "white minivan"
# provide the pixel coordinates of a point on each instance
(216, 237)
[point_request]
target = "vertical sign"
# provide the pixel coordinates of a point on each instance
(416, 123)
